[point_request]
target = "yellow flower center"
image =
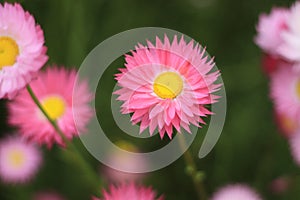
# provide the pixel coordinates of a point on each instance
(9, 51)
(168, 85)
(126, 146)
(16, 158)
(298, 89)
(54, 106)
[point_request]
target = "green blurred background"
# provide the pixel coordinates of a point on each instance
(250, 149)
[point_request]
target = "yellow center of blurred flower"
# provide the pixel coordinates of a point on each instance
(298, 89)
(54, 106)
(126, 146)
(9, 51)
(16, 158)
(168, 85)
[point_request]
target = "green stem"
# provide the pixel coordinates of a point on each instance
(90, 173)
(191, 168)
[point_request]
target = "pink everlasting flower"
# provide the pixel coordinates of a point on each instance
(47, 196)
(19, 160)
(167, 85)
(54, 89)
(129, 191)
(22, 52)
(270, 28)
(236, 192)
(285, 92)
(290, 49)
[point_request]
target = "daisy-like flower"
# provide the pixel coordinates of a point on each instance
(295, 147)
(167, 85)
(54, 89)
(270, 28)
(290, 49)
(236, 192)
(19, 160)
(47, 196)
(285, 92)
(22, 52)
(129, 191)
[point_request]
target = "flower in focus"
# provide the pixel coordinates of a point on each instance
(290, 49)
(270, 28)
(47, 196)
(22, 52)
(129, 191)
(285, 92)
(236, 192)
(167, 86)
(295, 147)
(54, 89)
(19, 160)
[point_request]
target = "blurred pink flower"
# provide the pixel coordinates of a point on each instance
(167, 85)
(236, 192)
(129, 192)
(270, 28)
(54, 89)
(290, 49)
(47, 196)
(21, 49)
(280, 185)
(19, 160)
(285, 92)
(128, 163)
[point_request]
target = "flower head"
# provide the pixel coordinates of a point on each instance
(270, 28)
(19, 160)
(129, 191)
(285, 92)
(167, 85)
(236, 192)
(54, 89)
(21, 49)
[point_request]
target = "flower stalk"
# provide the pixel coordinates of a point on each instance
(191, 169)
(70, 149)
